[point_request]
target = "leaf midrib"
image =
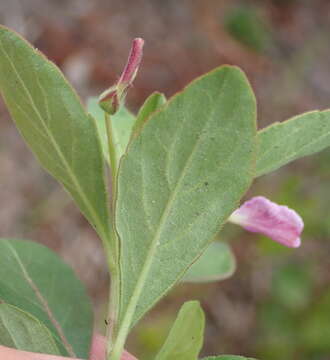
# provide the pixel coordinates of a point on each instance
(154, 243)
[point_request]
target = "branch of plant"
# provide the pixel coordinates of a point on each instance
(114, 291)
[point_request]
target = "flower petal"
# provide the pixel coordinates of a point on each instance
(263, 216)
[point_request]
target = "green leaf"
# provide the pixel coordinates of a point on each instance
(153, 103)
(292, 286)
(227, 357)
(122, 124)
(35, 280)
(22, 331)
(281, 143)
(314, 330)
(185, 340)
(215, 264)
(53, 122)
(179, 181)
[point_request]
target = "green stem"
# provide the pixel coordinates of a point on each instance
(111, 332)
(118, 345)
(117, 336)
(112, 154)
(124, 329)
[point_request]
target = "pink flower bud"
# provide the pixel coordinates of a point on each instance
(263, 216)
(133, 62)
(111, 98)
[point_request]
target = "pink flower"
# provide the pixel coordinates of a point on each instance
(263, 216)
(111, 98)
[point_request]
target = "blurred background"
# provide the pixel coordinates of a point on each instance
(277, 304)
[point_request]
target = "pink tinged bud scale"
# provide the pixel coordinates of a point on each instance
(263, 216)
(111, 99)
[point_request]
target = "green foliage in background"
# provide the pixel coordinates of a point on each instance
(291, 321)
(248, 27)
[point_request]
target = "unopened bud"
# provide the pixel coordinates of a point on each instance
(111, 99)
